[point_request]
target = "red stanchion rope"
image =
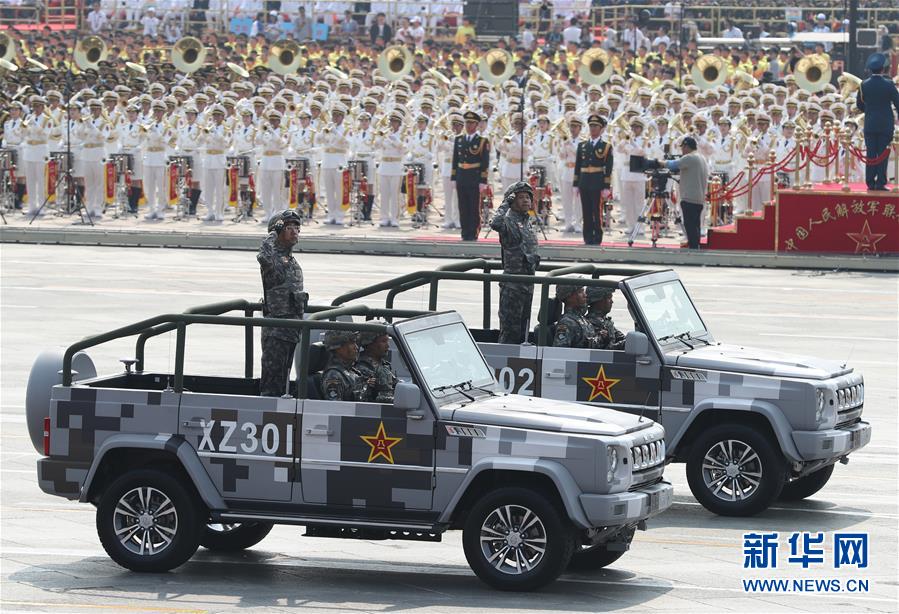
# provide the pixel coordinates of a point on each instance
(858, 153)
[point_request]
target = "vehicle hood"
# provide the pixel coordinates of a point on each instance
(518, 411)
(735, 358)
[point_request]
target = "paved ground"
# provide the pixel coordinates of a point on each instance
(687, 561)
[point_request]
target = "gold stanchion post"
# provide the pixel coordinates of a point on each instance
(797, 160)
(847, 158)
(750, 168)
(808, 169)
(772, 160)
(828, 128)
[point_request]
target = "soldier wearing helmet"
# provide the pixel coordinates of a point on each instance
(373, 365)
(573, 330)
(599, 304)
(341, 380)
(282, 286)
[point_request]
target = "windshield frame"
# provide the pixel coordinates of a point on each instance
(639, 283)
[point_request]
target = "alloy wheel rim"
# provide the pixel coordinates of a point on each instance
(145, 521)
(513, 539)
(732, 470)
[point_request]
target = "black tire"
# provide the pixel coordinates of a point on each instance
(162, 492)
(589, 558)
(807, 485)
(761, 472)
(234, 537)
(551, 529)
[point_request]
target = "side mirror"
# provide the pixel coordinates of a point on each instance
(406, 396)
(636, 344)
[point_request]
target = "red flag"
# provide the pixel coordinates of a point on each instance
(233, 184)
(51, 172)
(293, 182)
(173, 184)
(346, 185)
(109, 176)
(410, 192)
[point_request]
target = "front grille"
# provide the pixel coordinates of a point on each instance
(850, 397)
(648, 455)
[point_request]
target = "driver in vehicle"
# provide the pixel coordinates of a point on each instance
(573, 330)
(600, 304)
(373, 365)
(341, 380)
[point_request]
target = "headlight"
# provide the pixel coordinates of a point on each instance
(613, 463)
(819, 405)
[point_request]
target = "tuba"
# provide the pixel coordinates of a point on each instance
(849, 84)
(7, 47)
(7, 67)
(812, 73)
(744, 81)
(284, 58)
(395, 62)
(89, 52)
(595, 66)
(188, 54)
(709, 71)
(496, 66)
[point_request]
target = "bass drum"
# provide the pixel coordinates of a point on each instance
(46, 372)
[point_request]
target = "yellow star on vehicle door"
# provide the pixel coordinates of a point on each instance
(601, 386)
(381, 444)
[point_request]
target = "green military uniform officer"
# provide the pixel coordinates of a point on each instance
(374, 367)
(593, 178)
(573, 330)
(599, 301)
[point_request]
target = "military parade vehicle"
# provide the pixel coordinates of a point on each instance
(751, 425)
(172, 460)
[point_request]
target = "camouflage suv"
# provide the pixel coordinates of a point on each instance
(751, 425)
(173, 460)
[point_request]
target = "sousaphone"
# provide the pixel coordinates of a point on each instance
(812, 73)
(284, 58)
(7, 47)
(89, 52)
(496, 66)
(188, 54)
(594, 66)
(709, 71)
(395, 62)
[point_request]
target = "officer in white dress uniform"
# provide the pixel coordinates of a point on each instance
(571, 207)
(93, 143)
(217, 142)
(36, 132)
(333, 140)
(633, 185)
(130, 136)
(272, 143)
(390, 172)
(155, 141)
(512, 154)
(445, 145)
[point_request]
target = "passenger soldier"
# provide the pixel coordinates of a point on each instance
(375, 368)
(341, 380)
(518, 240)
(599, 304)
(573, 330)
(282, 286)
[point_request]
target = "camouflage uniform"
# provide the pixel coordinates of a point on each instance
(282, 284)
(607, 336)
(573, 330)
(384, 376)
(519, 254)
(344, 382)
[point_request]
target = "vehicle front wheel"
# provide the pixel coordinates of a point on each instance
(734, 470)
(516, 539)
(807, 485)
(234, 537)
(149, 521)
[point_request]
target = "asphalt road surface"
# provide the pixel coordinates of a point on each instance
(688, 560)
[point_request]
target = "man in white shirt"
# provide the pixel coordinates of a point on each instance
(634, 36)
(150, 22)
(822, 27)
(661, 37)
(730, 30)
(97, 19)
(572, 34)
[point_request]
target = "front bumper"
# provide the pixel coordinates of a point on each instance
(832, 443)
(627, 507)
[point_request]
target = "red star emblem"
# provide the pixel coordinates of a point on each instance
(601, 386)
(381, 444)
(865, 241)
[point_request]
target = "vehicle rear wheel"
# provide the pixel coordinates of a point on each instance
(234, 537)
(149, 521)
(807, 485)
(515, 539)
(734, 470)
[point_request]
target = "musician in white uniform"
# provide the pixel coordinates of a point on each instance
(36, 131)
(270, 186)
(93, 143)
(542, 149)
(130, 135)
(189, 138)
(571, 210)
(420, 146)
(512, 154)
(362, 148)
(155, 141)
(633, 184)
(390, 172)
(334, 142)
(13, 138)
(217, 141)
(445, 144)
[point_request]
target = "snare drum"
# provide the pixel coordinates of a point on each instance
(358, 170)
(182, 162)
(418, 169)
(301, 164)
(8, 159)
(242, 163)
(124, 162)
(540, 173)
(63, 159)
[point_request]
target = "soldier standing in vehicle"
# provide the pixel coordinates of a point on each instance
(341, 380)
(518, 240)
(573, 330)
(282, 286)
(374, 367)
(599, 301)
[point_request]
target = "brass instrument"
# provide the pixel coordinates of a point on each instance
(7, 67)
(540, 74)
(89, 52)
(188, 54)
(238, 70)
(744, 81)
(595, 66)
(284, 58)
(336, 72)
(812, 73)
(638, 82)
(561, 127)
(438, 75)
(849, 84)
(7, 47)
(138, 68)
(496, 66)
(709, 71)
(39, 65)
(395, 62)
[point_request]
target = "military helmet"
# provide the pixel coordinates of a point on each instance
(563, 292)
(280, 220)
(368, 337)
(334, 339)
(595, 293)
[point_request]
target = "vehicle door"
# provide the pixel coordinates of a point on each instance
(371, 456)
(246, 443)
(515, 367)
